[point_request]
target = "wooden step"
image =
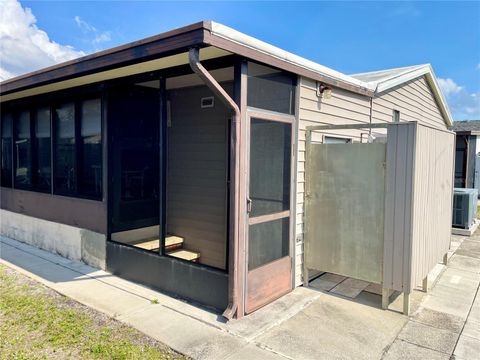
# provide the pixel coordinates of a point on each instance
(173, 242)
(185, 255)
(149, 245)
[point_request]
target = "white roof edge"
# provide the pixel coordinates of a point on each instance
(411, 72)
(420, 70)
(261, 46)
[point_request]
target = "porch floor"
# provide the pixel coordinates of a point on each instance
(307, 323)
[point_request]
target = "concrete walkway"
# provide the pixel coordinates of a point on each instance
(305, 324)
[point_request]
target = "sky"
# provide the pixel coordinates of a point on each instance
(350, 37)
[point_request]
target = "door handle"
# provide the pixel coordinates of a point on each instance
(249, 205)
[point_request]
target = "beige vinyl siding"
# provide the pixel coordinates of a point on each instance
(413, 99)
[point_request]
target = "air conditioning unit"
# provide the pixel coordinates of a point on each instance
(464, 207)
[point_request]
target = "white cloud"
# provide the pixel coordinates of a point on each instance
(23, 46)
(449, 86)
(86, 27)
(463, 104)
(91, 31)
(103, 37)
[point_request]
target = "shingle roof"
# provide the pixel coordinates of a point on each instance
(466, 126)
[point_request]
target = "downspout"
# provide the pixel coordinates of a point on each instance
(208, 79)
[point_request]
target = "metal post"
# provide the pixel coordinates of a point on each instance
(385, 298)
(425, 284)
(308, 136)
(406, 303)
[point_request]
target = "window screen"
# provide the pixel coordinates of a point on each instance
(42, 153)
(90, 181)
(7, 164)
(267, 242)
(270, 156)
(64, 149)
(270, 89)
(23, 151)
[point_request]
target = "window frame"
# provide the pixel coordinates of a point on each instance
(54, 106)
(52, 101)
(78, 146)
(16, 119)
(344, 140)
(395, 116)
(35, 162)
(2, 119)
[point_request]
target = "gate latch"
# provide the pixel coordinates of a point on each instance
(249, 205)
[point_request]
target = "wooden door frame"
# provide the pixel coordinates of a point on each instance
(250, 113)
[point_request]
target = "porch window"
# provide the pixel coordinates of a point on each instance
(270, 89)
(42, 150)
(90, 181)
(64, 150)
(23, 151)
(7, 165)
(78, 149)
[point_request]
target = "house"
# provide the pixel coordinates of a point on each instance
(466, 153)
(178, 161)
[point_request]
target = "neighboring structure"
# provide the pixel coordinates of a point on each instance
(467, 166)
(178, 161)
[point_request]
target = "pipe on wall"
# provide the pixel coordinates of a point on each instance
(212, 84)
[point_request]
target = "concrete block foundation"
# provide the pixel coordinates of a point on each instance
(68, 241)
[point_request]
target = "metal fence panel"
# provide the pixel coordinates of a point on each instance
(345, 207)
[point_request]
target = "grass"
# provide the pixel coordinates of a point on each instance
(38, 323)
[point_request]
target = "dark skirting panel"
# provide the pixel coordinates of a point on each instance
(82, 213)
(200, 284)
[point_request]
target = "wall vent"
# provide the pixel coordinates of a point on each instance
(207, 102)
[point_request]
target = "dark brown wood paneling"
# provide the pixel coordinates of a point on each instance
(82, 213)
(268, 283)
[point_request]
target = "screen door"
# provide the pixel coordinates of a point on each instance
(270, 158)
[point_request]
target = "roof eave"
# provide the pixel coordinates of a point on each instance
(137, 51)
(422, 70)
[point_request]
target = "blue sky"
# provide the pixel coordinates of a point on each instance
(346, 36)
